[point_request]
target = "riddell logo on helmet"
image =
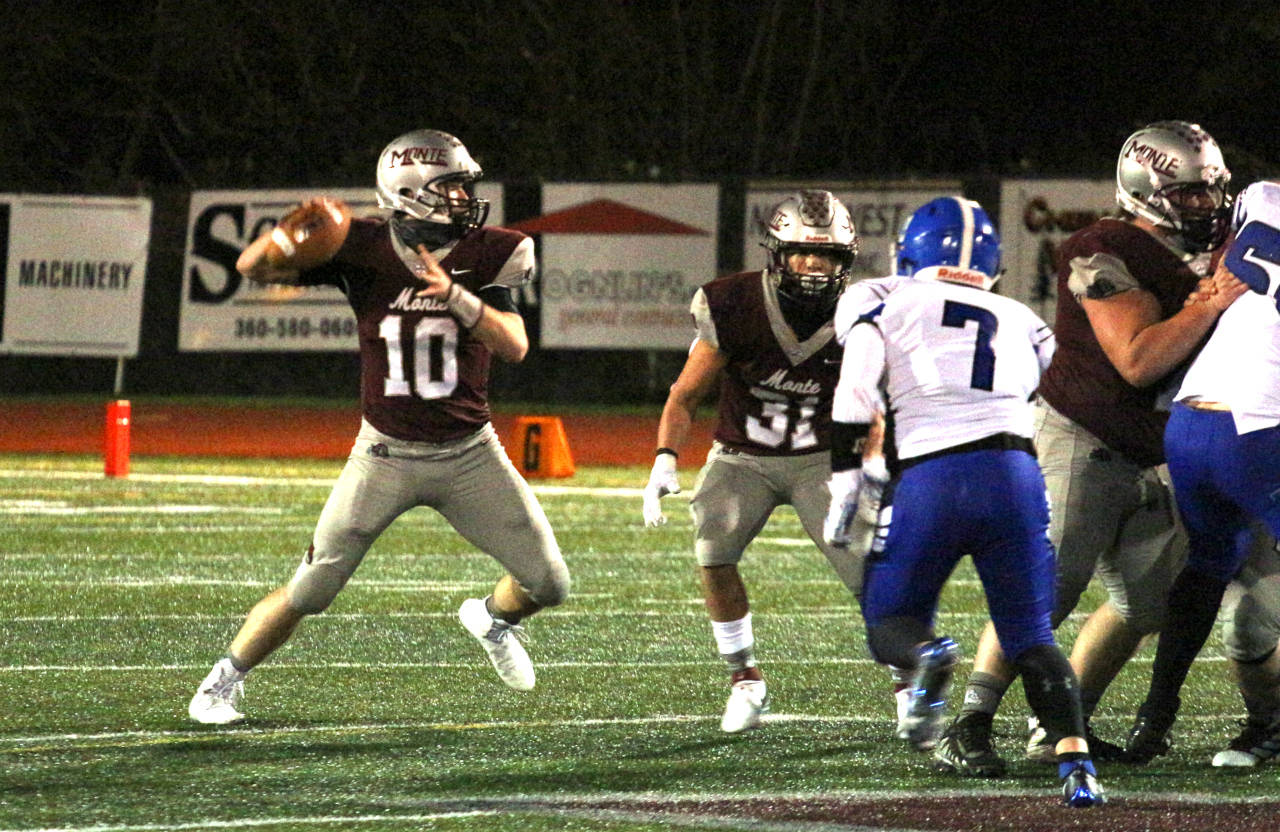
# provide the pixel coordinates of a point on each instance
(965, 276)
(418, 156)
(817, 238)
(1159, 161)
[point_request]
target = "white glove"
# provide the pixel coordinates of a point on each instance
(875, 476)
(844, 487)
(662, 481)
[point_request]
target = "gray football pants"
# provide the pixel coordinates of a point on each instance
(469, 481)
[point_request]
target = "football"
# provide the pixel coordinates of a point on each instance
(310, 234)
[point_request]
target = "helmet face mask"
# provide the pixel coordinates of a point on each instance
(812, 247)
(1172, 174)
(425, 176)
(952, 237)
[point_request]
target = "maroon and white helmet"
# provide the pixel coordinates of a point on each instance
(412, 174)
(811, 221)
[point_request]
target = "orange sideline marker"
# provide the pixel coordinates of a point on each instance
(116, 445)
(540, 448)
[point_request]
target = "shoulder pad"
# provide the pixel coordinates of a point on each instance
(520, 266)
(702, 320)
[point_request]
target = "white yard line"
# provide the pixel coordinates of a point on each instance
(246, 823)
(155, 668)
(496, 725)
(310, 482)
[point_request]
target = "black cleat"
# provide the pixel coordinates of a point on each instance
(1149, 736)
(966, 748)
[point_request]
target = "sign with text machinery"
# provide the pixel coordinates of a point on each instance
(878, 209)
(73, 273)
(619, 263)
(223, 312)
(1036, 216)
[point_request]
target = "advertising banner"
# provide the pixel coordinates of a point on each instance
(1036, 216)
(619, 263)
(878, 211)
(221, 311)
(73, 271)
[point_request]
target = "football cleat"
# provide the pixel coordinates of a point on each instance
(218, 699)
(1042, 745)
(1257, 743)
(965, 748)
(929, 693)
(748, 701)
(501, 641)
(1081, 789)
(1149, 736)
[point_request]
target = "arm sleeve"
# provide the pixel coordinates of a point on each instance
(857, 397)
(498, 296)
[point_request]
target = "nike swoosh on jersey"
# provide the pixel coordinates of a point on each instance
(460, 271)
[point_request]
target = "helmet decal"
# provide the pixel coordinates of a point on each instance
(1172, 174)
(954, 239)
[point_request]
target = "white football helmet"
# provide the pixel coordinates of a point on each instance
(811, 222)
(412, 174)
(1172, 174)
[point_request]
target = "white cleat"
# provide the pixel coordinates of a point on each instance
(748, 701)
(219, 697)
(501, 641)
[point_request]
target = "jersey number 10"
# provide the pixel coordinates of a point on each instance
(435, 357)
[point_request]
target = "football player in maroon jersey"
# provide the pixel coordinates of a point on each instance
(431, 288)
(1128, 320)
(766, 342)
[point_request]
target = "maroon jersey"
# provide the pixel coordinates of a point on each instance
(423, 377)
(775, 392)
(1081, 383)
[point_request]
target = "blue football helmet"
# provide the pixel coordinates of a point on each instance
(954, 233)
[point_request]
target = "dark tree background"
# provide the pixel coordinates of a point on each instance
(129, 97)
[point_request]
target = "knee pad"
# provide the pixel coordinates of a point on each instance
(314, 586)
(553, 587)
(1250, 632)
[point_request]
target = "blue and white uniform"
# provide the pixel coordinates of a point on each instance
(955, 366)
(1223, 437)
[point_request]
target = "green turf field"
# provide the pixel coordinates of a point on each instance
(383, 714)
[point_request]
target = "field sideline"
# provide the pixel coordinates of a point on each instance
(383, 714)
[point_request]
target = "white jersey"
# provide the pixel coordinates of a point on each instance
(861, 297)
(956, 364)
(1240, 364)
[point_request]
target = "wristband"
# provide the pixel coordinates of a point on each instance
(464, 305)
(662, 451)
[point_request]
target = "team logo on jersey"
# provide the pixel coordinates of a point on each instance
(778, 381)
(407, 301)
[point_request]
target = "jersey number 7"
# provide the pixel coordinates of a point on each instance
(958, 314)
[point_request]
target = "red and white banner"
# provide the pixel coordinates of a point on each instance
(73, 270)
(878, 211)
(620, 263)
(221, 311)
(1036, 216)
